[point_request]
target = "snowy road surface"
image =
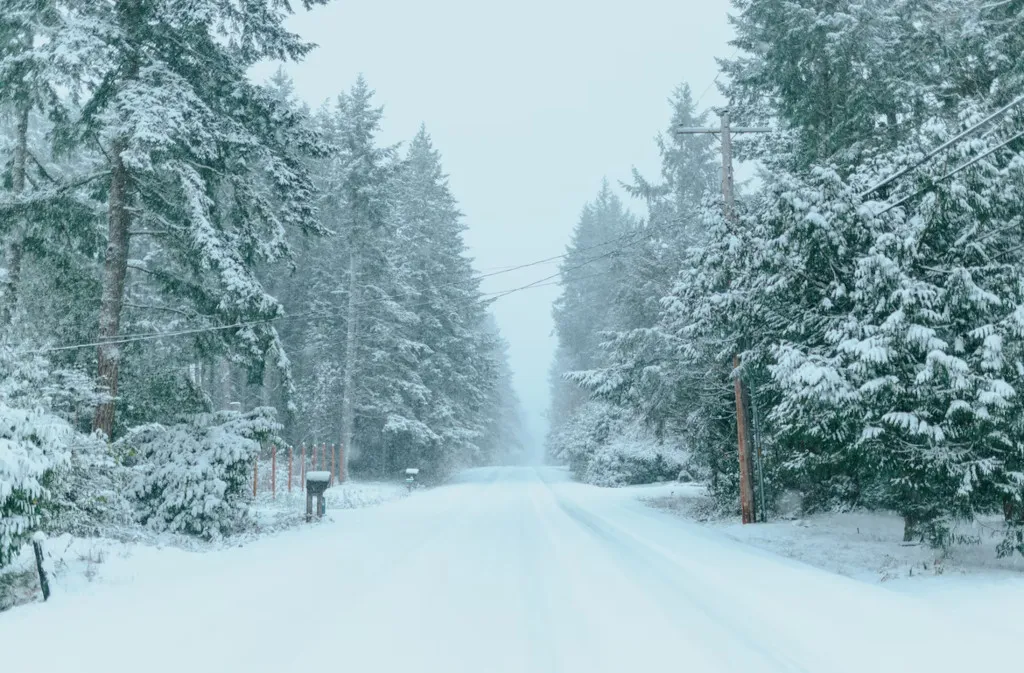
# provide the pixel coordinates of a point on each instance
(507, 570)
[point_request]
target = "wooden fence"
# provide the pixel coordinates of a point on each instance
(288, 467)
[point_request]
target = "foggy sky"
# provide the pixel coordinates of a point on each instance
(531, 104)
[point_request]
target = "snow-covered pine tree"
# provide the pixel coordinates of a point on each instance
(47, 210)
(644, 374)
(614, 264)
(39, 446)
(379, 377)
(592, 270)
(504, 440)
(198, 156)
(637, 352)
(454, 363)
(840, 80)
(941, 297)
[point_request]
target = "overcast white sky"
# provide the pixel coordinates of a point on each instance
(531, 103)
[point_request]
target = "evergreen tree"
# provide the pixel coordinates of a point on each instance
(643, 373)
(591, 273)
(379, 359)
(454, 364)
(504, 441)
(195, 152)
(841, 80)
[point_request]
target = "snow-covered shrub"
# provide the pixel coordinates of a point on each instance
(31, 382)
(193, 477)
(603, 446)
(32, 443)
(89, 493)
(634, 456)
(38, 406)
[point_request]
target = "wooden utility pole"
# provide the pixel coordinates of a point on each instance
(743, 431)
(743, 437)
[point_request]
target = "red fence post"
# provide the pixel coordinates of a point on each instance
(333, 473)
(291, 451)
(320, 458)
(302, 484)
(273, 472)
(255, 475)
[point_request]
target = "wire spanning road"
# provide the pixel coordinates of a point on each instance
(513, 570)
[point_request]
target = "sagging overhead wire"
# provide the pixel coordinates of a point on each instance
(953, 172)
(640, 236)
(938, 150)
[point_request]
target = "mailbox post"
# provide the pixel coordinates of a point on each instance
(316, 484)
(410, 477)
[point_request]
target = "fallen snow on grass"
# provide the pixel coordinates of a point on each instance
(862, 545)
(968, 580)
(286, 509)
(77, 565)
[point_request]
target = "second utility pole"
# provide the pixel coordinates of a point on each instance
(743, 433)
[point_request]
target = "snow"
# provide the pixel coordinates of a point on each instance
(505, 570)
(866, 546)
(318, 476)
(77, 564)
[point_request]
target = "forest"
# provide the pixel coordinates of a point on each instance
(198, 266)
(869, 286)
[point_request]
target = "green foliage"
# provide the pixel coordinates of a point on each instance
(193, 477)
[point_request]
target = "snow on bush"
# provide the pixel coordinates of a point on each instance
(89, 493)
(604, 446)
(193, 477)
(32, 443)
(38, 406)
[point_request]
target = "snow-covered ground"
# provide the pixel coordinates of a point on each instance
(285, 510)
(76, 564)
(507, 570)
(863, 545)
(968, 580)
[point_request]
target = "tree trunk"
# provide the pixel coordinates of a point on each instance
(1010, 512)
(14, 250)
(115, 268)
(347, 402)
(910, 527)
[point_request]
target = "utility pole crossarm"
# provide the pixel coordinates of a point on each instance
(695, 130)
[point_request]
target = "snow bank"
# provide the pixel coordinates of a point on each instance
(77, 564)
(863, 545)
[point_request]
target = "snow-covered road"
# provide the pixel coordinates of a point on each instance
(507, 570)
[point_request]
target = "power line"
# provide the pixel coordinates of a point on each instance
(549, 283)
(715, 80)
(126, 339)
(143, 336)
(953, 172)
(949, 143)
(540, 282)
